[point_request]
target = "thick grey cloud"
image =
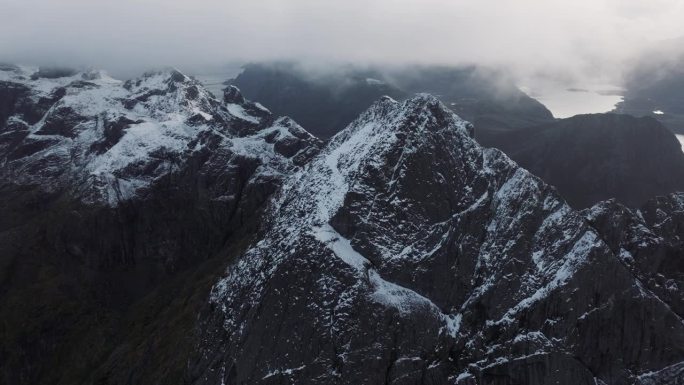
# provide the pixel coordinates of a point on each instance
(576, 37)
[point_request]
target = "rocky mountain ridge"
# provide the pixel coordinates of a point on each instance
(406, 253)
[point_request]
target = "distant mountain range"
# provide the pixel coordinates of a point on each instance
(325, 103)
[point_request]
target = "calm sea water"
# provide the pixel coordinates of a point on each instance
(565, 101)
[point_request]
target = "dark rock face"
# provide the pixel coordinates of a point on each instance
(113, 132)
(63, 121)
(649, 242)
(406, 253)
(11, 95)
(101, 283)
(89, 293)
(591, 158)
(233, 95)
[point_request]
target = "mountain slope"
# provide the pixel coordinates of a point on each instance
(115, 197)
(591, 158)
(649, 241)
(406, 253)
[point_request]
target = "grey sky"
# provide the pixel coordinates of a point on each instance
(576, 36)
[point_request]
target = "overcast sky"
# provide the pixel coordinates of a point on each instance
(578, 36)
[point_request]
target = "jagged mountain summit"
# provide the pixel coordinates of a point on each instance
(111, 139)
(406, 253)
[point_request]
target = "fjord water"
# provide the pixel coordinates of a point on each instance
(566, 100)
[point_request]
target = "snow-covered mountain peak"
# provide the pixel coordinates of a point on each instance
(388, 127)
(167, 79)
(113, 139)
(404, 220)
(388, 122)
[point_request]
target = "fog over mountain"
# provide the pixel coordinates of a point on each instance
(653, 86)
(579, 38)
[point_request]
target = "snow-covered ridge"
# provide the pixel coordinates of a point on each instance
(404, 211)
(110, 139)
(324, 183)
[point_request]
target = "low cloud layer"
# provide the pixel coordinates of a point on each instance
(572, 38)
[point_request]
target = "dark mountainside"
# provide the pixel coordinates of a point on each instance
(325, 104)
(151, 233)
(116, 199)
(591, 158)
(405, 253)
(649, 242)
